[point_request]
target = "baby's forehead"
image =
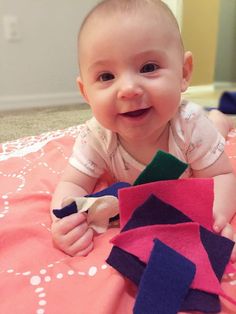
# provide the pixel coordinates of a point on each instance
(115, 11)
(101, 25)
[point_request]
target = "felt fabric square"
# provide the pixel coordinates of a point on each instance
(201, 301)
(126, 264)
(71, 208)
(154, 211)
(165, 281)
(227, 103)
(66, 210)
(98, 209)
(132, 268)
(139, 242)
(193, 197)
(110, 190)
(163, 166)
(219, 251)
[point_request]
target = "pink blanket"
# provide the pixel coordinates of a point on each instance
(37, 278)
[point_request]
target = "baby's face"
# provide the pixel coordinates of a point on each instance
(132, 73)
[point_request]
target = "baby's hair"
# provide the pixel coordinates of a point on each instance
(128, 6)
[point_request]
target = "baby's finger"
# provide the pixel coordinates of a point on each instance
(86, 251)
(73, 235)
(82, 244)
(219, 223)
(228, 232)
(233, 255)
(68, 223)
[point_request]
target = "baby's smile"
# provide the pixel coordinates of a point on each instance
(136, 113)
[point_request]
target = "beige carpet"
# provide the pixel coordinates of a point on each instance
(21, 123)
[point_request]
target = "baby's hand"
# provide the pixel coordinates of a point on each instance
(72, 235)
(226, 230)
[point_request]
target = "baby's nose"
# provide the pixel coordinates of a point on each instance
(129, 89)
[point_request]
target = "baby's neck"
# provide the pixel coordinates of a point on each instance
(143, 151)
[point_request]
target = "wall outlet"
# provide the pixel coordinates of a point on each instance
(11, 28)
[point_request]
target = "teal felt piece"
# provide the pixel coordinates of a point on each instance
(163, 166)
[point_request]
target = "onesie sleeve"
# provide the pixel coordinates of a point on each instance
(204, 143)
(85, 157)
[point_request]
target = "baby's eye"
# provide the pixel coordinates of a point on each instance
(106, 77)
(149, 67)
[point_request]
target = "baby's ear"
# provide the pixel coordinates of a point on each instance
(187, 70)
(81, 88)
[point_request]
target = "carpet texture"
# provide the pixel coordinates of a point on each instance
(20, 123)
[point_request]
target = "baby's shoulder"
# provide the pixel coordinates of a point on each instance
(189, 122)
(189, 111)
(92, 133)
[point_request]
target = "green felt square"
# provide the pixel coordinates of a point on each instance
(163, 166)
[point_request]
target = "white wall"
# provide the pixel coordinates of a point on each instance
(176, 8)
(40, 68)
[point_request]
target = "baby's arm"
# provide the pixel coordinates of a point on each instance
(71, 234)
(224, 207)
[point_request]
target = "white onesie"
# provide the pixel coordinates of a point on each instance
(192, 138)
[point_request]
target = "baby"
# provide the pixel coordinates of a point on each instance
(133, 70)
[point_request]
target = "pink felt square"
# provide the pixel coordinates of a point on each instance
(193, 196)
(183, 238)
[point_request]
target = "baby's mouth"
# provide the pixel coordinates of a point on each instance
(135, 113)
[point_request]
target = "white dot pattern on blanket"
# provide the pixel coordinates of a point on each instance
(42, 302)
(47, 279)
(24, 146)
(18, 179)
(43, 277)
(59, 276)
(35, 280)
(38, 290)
(43, 271)
(21, 148)
(92, 271)
(104, 266)
(4, 205)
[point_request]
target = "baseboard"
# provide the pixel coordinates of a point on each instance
(224, 85)
(200, 89)
(210, 88)
(37, 101)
